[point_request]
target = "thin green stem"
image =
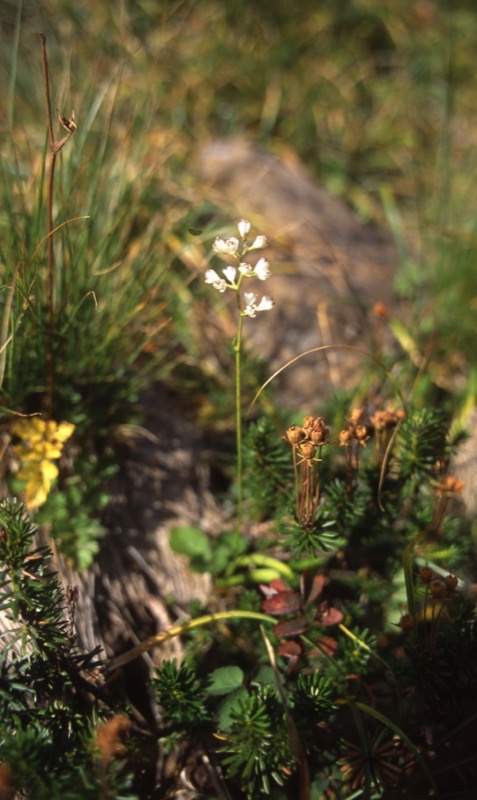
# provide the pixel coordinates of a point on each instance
(238, 423)
(238, 413)
(182, 628)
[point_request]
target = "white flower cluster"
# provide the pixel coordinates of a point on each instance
(233, 276)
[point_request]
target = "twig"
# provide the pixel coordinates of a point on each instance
(55, 147)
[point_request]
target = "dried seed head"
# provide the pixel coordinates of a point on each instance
(361, 434)
(438, 589)
(451, 582)
(345, 437)
(406, 622)
(450, 485)
(319, 424)
(317, 436)
(307, 449)
(295, 434)
(425, 574)
(386, 419)
(356, 416)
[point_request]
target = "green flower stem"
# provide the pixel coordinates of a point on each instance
(237, 346)
(407, 560)
(408, 564)
(263, 569)
(179, 630)
(261, 560)
(308, 563)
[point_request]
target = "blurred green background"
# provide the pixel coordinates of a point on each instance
(376, 98)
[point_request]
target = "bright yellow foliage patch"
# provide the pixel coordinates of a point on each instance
(42, 443)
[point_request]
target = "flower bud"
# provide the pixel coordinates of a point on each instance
(243, 228)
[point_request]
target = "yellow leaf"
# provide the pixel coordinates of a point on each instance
(47, 450)
(32, 428)
(64, 431)
(42, 442)
(49, 471)
(35, 494)
(39, 477)
(38, 470)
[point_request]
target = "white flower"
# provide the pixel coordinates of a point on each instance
(216, 281)
(245, 269)
(243, 227)
(228, 248)
(265, 304)
(251, 306)
(262, 269)
(230, 273)
(250, 309)
(259, 242)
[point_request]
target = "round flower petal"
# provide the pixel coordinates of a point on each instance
(217, 282)
(265, 304)
(230, 273)
(259, 242)
(262, 269)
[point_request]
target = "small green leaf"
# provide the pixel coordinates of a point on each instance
(225, 680)
(191, 542)
(265, 677)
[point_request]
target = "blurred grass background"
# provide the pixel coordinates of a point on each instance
(377, 98)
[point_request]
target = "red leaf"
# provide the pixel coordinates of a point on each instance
(282, 603)
(273, 587)
(329, 645)
(330, 616)
(317, 586)
(290, 649)
(291, 627)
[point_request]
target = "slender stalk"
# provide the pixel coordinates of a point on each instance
(5, 339)
(248, 306)
(238, 415)
(179, 630)
(297, 481)
(50, 364)
(55, 147)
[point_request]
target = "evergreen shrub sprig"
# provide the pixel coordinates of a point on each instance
(48, 689)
